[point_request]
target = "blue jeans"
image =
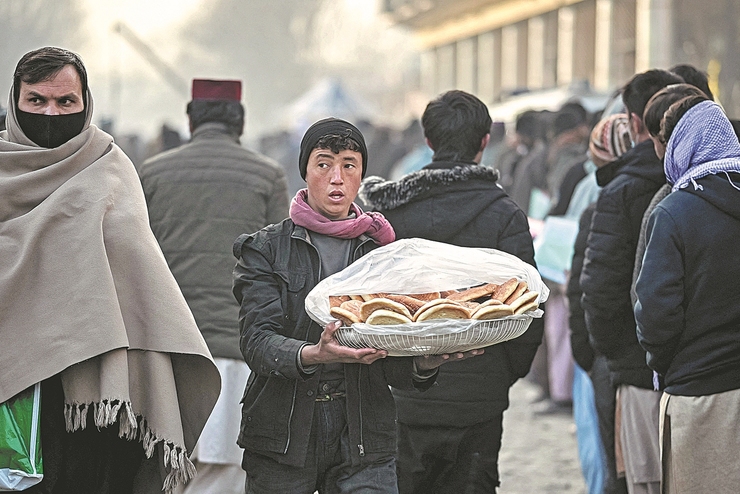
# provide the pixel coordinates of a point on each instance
(328, 467)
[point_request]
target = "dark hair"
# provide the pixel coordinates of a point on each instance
(528, 124)
(577, 109)
(570, 116)
(229, 113)
(43, 64)
(638, 91)
(661, 101)
(674, 113)
(336, 143)
(455, 124)
(693, 76)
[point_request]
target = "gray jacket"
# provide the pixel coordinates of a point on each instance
(201, 196)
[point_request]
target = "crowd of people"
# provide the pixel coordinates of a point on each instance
(161, 307)
(614, 181)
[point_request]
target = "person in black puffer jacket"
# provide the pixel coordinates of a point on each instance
(449, 436)
(606, 280)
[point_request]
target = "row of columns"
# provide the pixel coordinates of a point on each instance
(602, 41)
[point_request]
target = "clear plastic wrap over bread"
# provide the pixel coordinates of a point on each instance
(417, 266)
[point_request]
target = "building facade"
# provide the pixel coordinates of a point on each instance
(494, 48)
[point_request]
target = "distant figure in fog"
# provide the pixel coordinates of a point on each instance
(450, 435)
(566, 154)
(523, 166)
(89, 307)
(201, 196)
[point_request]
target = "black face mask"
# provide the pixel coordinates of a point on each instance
(50, 131)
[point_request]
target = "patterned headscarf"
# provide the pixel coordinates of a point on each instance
(610, 138)
(703, 143)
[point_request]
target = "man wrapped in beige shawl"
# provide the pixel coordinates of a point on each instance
(86, 296)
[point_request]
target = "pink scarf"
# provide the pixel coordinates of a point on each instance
(373, 224)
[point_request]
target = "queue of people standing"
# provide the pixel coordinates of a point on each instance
(616, 297)
(173, 314)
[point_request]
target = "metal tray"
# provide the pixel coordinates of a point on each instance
(478, 335)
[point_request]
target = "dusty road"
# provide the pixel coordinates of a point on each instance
(539, 453)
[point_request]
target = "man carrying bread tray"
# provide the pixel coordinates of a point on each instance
(450, 436)
(317, 415)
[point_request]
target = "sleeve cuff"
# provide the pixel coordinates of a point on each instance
(305, 369)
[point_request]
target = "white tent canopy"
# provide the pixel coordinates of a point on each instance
(327, 98)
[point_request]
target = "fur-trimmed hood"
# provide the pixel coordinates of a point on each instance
(381, 194)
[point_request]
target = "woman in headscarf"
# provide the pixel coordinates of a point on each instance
(687, 316)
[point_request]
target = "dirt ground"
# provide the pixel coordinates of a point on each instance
(538, 453)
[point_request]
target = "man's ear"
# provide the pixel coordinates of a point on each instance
(429, 143)
(636, 126)
(484, 142)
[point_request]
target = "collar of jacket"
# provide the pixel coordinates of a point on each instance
(209, 130)
(640, 160)
(383, 194)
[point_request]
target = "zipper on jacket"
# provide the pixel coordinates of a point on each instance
(308, 330)
(361, 446)
(290, 416)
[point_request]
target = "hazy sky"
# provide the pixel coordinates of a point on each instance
(341, 39)
(111, 60)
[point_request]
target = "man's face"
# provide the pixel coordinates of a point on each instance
(333, 181)
(59, 95)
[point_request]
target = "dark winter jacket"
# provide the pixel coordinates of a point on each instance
(461, 204)
(610, 256)
(277, 267)
(201, 196)
(687, 311)
(571, 179)
(583, 352)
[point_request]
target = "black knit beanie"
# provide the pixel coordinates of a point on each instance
(329, 126)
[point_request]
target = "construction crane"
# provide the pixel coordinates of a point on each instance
(173, 78)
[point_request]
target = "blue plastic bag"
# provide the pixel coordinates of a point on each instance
(590, 448)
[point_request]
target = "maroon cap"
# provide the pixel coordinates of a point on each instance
(209, 89)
